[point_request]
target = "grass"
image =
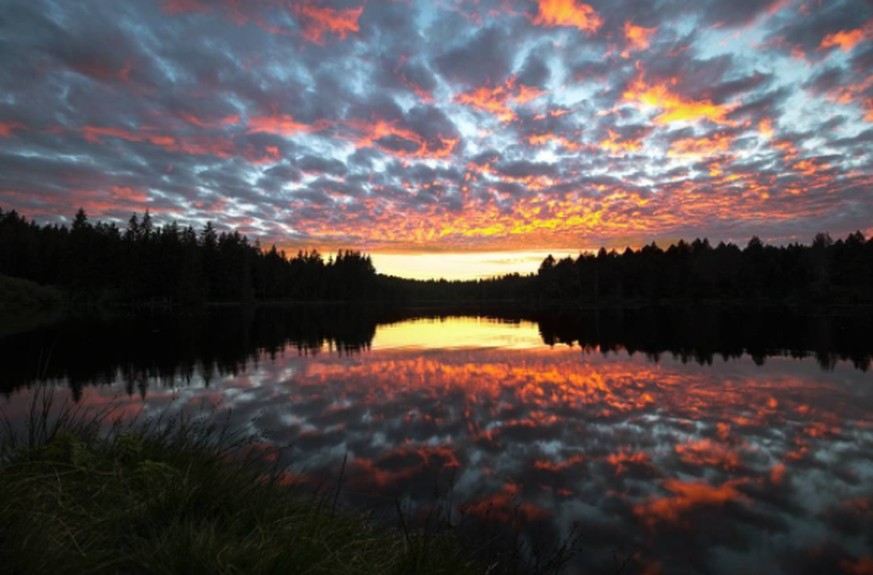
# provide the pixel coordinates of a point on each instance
(177, 497)
(84, 491)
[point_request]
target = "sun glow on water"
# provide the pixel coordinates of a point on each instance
(458, 333)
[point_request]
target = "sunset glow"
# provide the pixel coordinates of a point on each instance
(421, 132)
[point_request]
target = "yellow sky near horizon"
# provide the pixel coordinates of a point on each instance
(463, 265)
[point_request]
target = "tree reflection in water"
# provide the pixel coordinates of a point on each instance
(707, 442)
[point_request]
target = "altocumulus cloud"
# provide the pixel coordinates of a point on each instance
(458, 125)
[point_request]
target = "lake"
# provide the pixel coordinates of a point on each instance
(700, 441)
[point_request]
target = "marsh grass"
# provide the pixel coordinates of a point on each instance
(85, 493)
(85, 490)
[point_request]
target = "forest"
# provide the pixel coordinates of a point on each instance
(145, 263)
(171, 264)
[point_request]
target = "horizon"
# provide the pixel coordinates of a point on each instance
(459, 266)
(456, 140)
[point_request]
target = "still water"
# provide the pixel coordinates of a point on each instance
(714, 442)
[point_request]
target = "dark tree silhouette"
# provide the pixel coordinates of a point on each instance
(825, 272)
(170, 265)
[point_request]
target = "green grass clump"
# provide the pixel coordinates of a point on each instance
(173, 501)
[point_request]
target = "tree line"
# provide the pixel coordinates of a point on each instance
(825, 271)
(144, 262)
(147, 263)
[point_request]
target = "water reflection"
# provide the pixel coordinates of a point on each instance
(455, 332)
(165, 349)
(752, 463)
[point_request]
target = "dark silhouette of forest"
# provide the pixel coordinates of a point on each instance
(145, 263)
(175, 265)
(826, 271)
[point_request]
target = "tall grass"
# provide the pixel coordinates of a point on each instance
(82, 493)
(85, 491)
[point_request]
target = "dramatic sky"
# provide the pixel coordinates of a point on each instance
(448, 137)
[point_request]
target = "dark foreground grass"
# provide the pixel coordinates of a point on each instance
(170, 499)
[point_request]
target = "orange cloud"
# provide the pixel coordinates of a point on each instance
(282, 125)
(848, 94)
(847, 39)
(614, 145)
(700, 147)
(219, 147)
(367, 473)
(811, 166)
(493, 100)
(527, 94)
(548, 219)
(558, 214)
(687, 496)
(218, 123)
(676, 107)
(558, 466)
(534, 219)
(708, 452)
(568, 13)
(319, 20)
(545, 139)
(6, 128)
(498, 99)
(128, 194)
(195, 145)
(788, 149)
(765, 127)
(269, 155)
(367, 133)
(505, 507)
(623, 460)
(96, 133)
(637, 38)
(116, 199)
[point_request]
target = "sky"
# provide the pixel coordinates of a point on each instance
(452, 138)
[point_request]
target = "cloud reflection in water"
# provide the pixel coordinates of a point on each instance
(722, 468)
(726, 467)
